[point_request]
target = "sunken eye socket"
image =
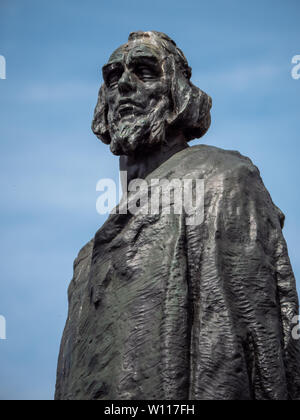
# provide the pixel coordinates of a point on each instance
(144, 73)
(113, 78)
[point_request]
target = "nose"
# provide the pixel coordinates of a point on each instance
(125, 84)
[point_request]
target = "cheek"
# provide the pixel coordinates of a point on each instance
(155, 91)
(112, 98)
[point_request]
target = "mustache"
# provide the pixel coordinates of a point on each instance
(129, 102)
(129, 108)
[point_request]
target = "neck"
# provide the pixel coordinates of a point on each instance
(141, 165)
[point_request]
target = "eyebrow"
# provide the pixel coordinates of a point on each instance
(109, 68)
(144, 59)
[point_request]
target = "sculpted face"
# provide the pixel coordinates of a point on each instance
(137, 96)
(147, 98)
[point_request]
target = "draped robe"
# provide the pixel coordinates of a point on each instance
(159, 309)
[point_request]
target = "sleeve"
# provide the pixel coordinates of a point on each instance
(244, 293)
(69, 349)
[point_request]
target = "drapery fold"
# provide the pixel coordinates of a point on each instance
(160, 309)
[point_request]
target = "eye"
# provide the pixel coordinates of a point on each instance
(146, 73)
(112, 79)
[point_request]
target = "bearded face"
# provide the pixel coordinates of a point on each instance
(137, 97)
(148, 97)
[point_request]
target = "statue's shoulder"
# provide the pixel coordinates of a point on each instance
(84, 254)
(81, 267)
(218, 159)
(210, 161)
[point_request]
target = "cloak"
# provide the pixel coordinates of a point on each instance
(160, 309)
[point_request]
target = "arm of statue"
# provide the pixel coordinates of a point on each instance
(70, 345)
(244, 294)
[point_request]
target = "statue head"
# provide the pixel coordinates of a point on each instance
(147, 96)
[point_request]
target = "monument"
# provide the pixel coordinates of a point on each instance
(161, 307)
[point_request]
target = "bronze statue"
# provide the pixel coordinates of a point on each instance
(165, 309)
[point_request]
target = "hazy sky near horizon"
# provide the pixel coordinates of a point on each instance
(241, 54)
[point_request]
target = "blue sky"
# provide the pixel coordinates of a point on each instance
(240, 52)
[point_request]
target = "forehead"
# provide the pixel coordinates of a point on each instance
(134, 50)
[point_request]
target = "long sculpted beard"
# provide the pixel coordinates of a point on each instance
(136, 133)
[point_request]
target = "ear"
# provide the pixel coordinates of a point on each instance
(100, 125)
(191, 106)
